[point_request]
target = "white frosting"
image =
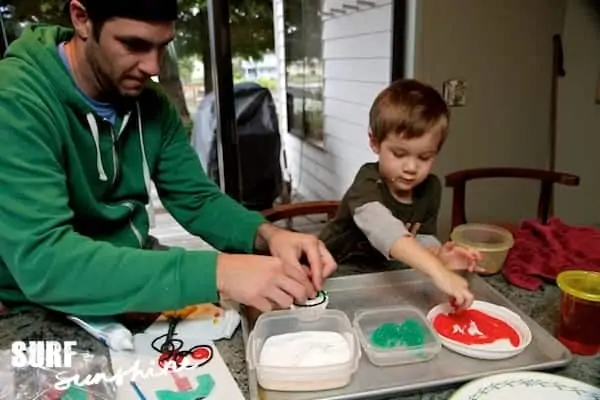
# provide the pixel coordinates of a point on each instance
(473, 330)
(305, 349)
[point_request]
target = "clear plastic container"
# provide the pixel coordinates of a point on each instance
(367, 321)
(493, 242)
(299, 379)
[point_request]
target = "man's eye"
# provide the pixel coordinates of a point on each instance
(136, 45)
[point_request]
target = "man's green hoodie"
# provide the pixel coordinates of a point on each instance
(73, 220)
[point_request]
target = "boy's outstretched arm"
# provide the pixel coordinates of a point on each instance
(391, 237)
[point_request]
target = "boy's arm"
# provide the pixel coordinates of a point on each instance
(430, 242)
(380, 226)
(391, 238)
(378, 223)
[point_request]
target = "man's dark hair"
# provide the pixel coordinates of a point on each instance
(100, 11)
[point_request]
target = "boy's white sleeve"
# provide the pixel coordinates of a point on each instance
(428, 241)
(380, 226)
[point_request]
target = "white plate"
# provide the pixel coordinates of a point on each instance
(526, 385)
(484, 352)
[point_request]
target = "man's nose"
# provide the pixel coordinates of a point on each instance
(150, 63)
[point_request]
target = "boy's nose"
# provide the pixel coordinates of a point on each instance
(410, 166)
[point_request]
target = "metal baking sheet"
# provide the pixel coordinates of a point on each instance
(350, 293)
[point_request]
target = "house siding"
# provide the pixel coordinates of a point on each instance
(357, 48)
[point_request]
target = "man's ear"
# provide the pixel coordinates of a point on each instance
(80, 20)
(374, 143)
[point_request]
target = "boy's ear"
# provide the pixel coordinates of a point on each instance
(373, 143)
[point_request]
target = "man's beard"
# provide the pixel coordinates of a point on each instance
(108, 91)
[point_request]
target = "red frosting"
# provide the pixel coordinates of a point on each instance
(459, 327)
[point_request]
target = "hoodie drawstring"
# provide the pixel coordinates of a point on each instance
(96, 135)
(145, 169)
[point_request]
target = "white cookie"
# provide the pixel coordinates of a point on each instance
(321, 301)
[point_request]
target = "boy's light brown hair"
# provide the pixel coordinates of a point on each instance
(410, 108)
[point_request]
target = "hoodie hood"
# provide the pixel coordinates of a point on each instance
(39, 50)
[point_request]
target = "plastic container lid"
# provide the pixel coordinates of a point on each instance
(483, 237)
(584, 285)
(404, 319)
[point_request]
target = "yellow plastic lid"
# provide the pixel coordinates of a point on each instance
(584, 285)
(483, 237)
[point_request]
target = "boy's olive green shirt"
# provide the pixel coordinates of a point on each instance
(73, 222)
(345, 240)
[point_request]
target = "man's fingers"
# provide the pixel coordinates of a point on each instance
(299, 273)
(279, 297)
(313, 254)
(262, 304)
(294, 289)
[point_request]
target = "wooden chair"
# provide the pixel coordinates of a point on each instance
(288, 211)
(458, 182)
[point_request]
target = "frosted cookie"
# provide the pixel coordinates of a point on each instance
(320, 301)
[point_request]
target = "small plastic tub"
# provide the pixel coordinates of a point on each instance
(294, 378)
(394, 319)
(579, 312)
(493, 242)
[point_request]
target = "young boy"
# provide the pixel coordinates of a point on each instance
(389, 213)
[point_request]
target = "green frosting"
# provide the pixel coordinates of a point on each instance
(205, 385)
(410, 333)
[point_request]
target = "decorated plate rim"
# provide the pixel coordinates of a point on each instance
(464, 390)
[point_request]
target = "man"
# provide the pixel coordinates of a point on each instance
(84, 131)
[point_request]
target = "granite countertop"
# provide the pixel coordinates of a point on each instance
(542, 305)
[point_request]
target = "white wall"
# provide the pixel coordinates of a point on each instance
(579, 115)
(357, 59)
(503, 49)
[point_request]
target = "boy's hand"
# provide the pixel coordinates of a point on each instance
(454, 285)
(459, 258)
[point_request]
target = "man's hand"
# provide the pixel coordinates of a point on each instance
(263, 282)
(459, 258)
(292, 248)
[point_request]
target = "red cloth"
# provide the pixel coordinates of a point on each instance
(543, 251)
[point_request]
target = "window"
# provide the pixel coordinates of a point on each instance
(304, 68)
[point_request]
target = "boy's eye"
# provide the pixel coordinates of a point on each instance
(426, 156)
(398, 155)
